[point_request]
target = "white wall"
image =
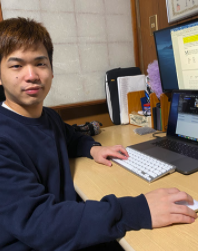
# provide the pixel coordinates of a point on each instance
(89, 36)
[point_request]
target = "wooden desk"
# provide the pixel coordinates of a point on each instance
(93, 181)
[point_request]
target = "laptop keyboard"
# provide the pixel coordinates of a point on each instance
(178, 147)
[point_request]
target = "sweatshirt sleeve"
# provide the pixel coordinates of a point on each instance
(78, 144)
(31, 214)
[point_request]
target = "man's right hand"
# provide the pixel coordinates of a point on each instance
(163, 209)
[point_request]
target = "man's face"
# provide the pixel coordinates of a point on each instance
(26, 76)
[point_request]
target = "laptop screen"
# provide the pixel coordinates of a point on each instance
(183, 116)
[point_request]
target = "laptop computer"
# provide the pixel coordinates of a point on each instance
(180, 145)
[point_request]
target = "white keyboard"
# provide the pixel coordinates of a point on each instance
(145, 166)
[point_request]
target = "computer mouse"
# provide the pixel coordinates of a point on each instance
(193, 207)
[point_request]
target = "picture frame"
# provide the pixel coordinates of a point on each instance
(181, 9)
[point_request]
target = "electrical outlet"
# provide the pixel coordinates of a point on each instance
(153, 24)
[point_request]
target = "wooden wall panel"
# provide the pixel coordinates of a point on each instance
(1, 17)
(85, 112)
(80, 115)
(162, 15)
(147, 8)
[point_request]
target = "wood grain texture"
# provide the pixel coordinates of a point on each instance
(162, 15)
(86, 112)
(153, 101)
(134, 103)
(165, 107)
(147, 9)
(1, 16)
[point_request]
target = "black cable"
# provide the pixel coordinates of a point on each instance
(158, 133)
(154, 134)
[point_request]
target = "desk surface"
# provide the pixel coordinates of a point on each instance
(93, 181)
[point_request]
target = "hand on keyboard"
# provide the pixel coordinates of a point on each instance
(101, 153)
(164, 210)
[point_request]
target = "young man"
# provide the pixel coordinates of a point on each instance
(38, 205)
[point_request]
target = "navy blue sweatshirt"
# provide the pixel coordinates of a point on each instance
(38, 206)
